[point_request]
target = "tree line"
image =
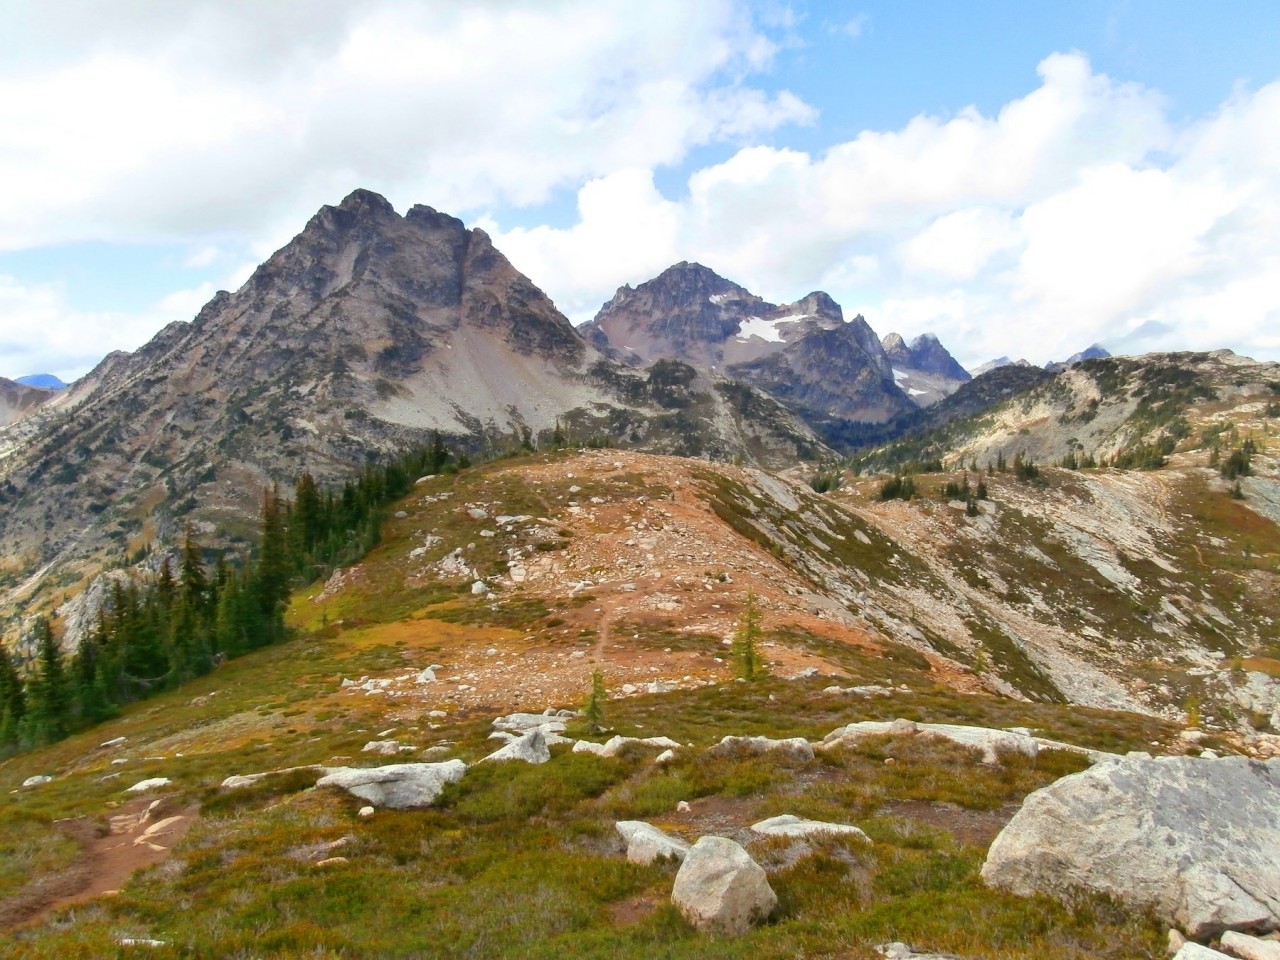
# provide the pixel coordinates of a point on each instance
(155, 633)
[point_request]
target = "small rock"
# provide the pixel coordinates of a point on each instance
(1250, 948)
(1193, 951)
(118, 741)
(365, 812)
(155, 783)
(1176, 940)
(426, 675)
(666, 756)
(479, 588)
(787, 825)
(683, 807)
(37, 780)
(646, 843)
(386, 748)
(331, 862)
(140, 942)
(794, 748)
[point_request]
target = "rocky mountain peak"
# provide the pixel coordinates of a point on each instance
(820, 305)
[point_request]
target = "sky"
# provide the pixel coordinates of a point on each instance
(1019, 179)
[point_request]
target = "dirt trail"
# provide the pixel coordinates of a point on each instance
(140, 834)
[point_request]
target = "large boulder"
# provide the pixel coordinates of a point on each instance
(646, 843)
(399, 786)
(720, 889)
(990, 742)
(1197, 841)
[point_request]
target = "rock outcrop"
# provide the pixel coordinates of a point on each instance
(399, 786)
(793, 748)
(720, 889)
(1197, 841)
(530, 748)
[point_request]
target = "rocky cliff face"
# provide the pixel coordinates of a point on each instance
(802, 353)
(362, 336)
(924, 368)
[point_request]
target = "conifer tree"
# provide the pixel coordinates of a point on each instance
(48, 692)
(746, 657)
(13, 701)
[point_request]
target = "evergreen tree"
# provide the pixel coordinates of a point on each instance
(593, 708)
(13, 701)
(49, 691)
(746, 657)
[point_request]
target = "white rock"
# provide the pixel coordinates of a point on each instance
(426, 675)
(1250, 948)
(118, 741)
(479, 587)
(990, 742)
(365, 812)
(386, 748)
(531, 748)
(398, 786)
(155, 783)
(37, 780)
(524, 722)
(666, 756)
(1196, 841)
(1194, 951)
(720, 889)
(646, 843)
(140, 942)
(787, 825)
(794, 748)
(683, 807)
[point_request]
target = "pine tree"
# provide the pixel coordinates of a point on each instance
(49, 691)
(13, 701)
(746, 657)
(593, 708)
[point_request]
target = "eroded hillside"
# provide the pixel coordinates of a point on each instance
(1145, 591)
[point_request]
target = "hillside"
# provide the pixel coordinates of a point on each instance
(639, 566)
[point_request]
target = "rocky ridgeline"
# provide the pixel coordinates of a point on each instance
(1194, 840)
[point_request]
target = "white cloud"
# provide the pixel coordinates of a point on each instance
(1077, 213)
(43, 333)
(184, 120)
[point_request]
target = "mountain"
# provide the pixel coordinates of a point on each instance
(358, 339)
(46, 381)
(998, 362)
(1125, 411)
(804, 353)
(18, 399)
(923, 368)
(1094, 352)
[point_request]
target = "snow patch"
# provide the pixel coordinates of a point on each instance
(759, 327)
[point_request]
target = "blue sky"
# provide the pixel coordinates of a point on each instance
(1021, 179)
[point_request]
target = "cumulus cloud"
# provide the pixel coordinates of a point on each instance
(150, 120)
(43, 333)
(1078, 213)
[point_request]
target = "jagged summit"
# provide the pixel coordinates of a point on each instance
(805, 353)
(925, 354)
